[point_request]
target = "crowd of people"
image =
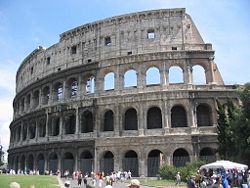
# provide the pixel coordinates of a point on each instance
(220, 178)
(98, 179)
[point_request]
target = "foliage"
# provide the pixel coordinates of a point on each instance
(27, 180)
(169, 171)
(234, 128)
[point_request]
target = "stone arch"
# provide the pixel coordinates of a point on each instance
(130, 78)
(58, 91)
(22, 164)
(203, 112)
(28, 98)
(70, 123)
(90, 85)
(54, 127)
(53, 162)
(36, 98)
(199, 74)
(87, 122)
(41, 127)
(155, 158)
(108, 124)
(45, 95)
(130, 162)
(41, 163)
(109, 81)
(72, 85)
(175, 75)
(24, 131)
(178, 116)
(180, 157)
(130, 119)
(16, 163)
(32, 129)
(86, 162)
(207, 154)
(68, 162)
(107, 162)
(30, 163)
(153, 76)
(154, 118)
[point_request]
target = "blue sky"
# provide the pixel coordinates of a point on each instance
(26, 24)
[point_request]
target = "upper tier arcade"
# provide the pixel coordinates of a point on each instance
(155, 31)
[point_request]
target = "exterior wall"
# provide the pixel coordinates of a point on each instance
(53, 85)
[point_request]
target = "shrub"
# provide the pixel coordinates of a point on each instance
(169, 171)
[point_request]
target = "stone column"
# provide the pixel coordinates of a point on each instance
(64, 92)
(77, 121)
(141, 126)
(188, 78)
(47, 123)
(76, 161)
(61, 130)
(21, 132)
(165, 116)
(212, 81)
(116, 121)
(79, 87)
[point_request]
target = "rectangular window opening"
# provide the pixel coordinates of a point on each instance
(107, 41)
(174, 48)
(73, 49)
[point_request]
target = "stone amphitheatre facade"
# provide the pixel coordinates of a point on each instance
(106, 97)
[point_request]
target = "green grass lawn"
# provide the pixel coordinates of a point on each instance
(26, 180)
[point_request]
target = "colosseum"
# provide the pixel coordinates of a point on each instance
(118, 94)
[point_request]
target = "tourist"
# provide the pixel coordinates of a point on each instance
(134, 183)
(79, 179)
(178, 178)
(66, 184)
(129, 174)
(15, 185)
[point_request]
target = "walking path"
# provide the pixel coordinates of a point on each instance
(73, 184)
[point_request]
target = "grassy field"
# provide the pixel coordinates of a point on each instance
(26, 180)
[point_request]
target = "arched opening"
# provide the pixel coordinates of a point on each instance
(203, 116)
(70, 124)
(130, 78)
(36, 98)
(199, 75)
(153, 76)
(30, 163)
(109, 81)
(86, 162)
(87, 122)
(40, 163)
(178, 117)
(155, 159)
(55, 126)
(53, 162)
(73, 87)
(130, 163)
(42, 127)
(22, 164)
(108, 121)
(180, 157)
(32, 130)
(130, 119)
(58, 88)
(45, 95)
(16, 163)
(90, 85)
(175, 75)
(154, 118)
(68, 162)
(28, 101)
(207, 154)
(107, 163)
(24, 132)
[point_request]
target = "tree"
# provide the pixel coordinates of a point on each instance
(234, 128)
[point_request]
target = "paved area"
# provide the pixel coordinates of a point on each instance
(73, 184)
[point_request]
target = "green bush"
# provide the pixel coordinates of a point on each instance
(170, 171)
